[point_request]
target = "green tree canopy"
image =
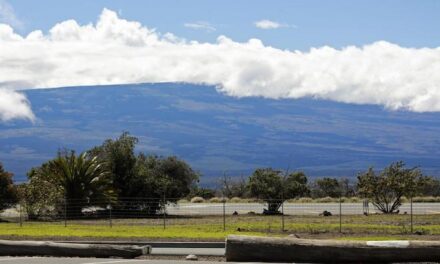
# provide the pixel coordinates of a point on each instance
(8, 193)
(386, 188)
(326, 187)
(271, 186)
(83, 180)
(120, 158)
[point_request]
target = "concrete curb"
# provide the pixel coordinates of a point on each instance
(47, 248)
(270, 249)
(155, 244)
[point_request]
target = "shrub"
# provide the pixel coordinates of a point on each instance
(183, 201)
(197, 199)
(236, 200)
(215, 200)
(304, 200)
(327, 200)
(354, 200)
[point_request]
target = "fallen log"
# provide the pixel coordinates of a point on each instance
(45, 248)
(265, 249)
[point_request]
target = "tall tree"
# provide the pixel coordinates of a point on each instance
(83, 180)
(272, 187)
(326, 187)
(385, 189)
(8, 193)
(159, 178)
(120, 158)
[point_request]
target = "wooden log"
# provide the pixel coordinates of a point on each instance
(44, 248)
(265, 249)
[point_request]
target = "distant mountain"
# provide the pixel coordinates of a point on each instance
(216, 133)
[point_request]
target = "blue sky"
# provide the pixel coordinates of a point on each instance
(316, 23)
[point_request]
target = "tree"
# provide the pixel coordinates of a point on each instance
(430, 187)
(326, 187)
(83, 180)
(296, 185)
(41, 197)
(159, 178)
(385, 189)
(119, 157)
(233, 187)
(271, 186)
(8, 193)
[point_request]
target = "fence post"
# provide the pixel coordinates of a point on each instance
(110, 216)
(21, 219)
(65, 212)
(411, 213)
(340, 214)
(164, 211)
(224, 214)
(282, 216)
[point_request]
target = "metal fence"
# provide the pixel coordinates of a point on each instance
(309, 217)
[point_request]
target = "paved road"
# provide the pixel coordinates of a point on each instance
(292, 209)
(187, 251)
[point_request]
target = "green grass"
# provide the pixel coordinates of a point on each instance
(379, 227)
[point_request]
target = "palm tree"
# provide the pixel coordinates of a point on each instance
(84, 180)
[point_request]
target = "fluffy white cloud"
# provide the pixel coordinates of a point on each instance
(14, 105)
(116, 51)
(269, 24)
(200, 25)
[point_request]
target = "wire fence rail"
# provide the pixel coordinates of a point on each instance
(166, 212)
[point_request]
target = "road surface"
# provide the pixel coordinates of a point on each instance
(291, 208)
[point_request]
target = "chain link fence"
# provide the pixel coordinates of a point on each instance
(231, 216)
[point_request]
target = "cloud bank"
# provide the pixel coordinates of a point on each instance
(117, 51)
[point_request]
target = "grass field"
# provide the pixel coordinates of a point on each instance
(211, 228)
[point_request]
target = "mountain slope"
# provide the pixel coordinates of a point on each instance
(217, 133)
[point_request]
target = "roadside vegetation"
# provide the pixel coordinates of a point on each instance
(113, 179)
(211, 227)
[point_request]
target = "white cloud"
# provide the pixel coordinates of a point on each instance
(7, 15)
(200, 25)
(14, 105)
(269, 24)
(116, 51)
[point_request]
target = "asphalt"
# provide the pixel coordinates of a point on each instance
(292, 208)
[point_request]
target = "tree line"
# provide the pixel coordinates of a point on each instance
(112, 173)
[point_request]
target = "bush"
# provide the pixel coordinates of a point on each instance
(197, 199)
(236, 200)
(354, 200)
(327, 200)
(304, 200)
(218, 200)
(426, 199)
(183, 201)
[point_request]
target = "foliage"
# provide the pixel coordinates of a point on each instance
(234, 187)
(41, 197)
(159, 178)
(8, 193)
(119, 157)
(270, 185)
(326, 187)
(83, 180)
(430, 187)
(385, 189)
(205, 193)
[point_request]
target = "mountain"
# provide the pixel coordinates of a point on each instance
(216, 133)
